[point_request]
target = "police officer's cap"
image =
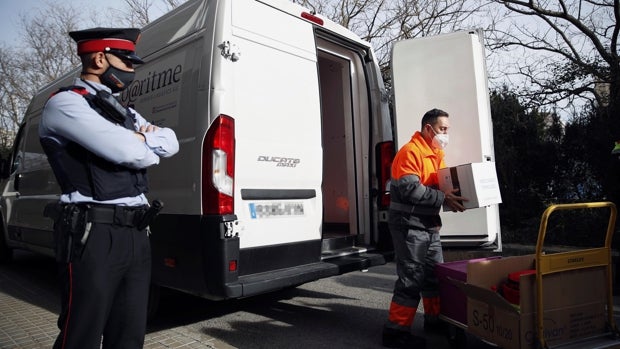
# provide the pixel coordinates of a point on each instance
(120, 42)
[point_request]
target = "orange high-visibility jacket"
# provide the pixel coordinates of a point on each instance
(415, 197)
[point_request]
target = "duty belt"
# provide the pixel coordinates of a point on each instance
(117, 215)
(127, 216)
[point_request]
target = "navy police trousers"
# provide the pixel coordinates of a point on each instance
(104, 290)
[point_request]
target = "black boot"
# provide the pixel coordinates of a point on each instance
(433, 324)
(402, 339)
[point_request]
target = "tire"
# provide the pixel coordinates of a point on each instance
(6, 253)
(153, 304)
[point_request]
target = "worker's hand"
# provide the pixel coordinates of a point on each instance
(454, 201)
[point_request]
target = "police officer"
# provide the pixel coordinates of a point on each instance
(414, 224)
(98, 151)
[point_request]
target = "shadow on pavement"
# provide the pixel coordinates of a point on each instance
(31, 278)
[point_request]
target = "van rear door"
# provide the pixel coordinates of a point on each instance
(277, 112)
(448, 72)
(302, 133)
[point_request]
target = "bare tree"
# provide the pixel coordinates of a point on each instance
(172, 4)
(45, 37)
(46, 52)
(562, 50)
(138, 14)
(11, 105)
(44, 55)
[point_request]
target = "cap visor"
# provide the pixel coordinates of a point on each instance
(130, 56)
(135, 59)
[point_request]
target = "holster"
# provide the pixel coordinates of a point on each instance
(52, 210)
(70, 227)
(72, 223)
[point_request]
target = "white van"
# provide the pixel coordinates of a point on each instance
(285, 141)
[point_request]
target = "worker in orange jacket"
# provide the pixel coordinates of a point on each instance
(414, 222)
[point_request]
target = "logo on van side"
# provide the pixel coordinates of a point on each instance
(280, 161)
(154, 81)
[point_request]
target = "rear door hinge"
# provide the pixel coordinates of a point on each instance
(230, 51)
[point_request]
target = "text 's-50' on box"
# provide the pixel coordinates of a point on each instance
(476, 181)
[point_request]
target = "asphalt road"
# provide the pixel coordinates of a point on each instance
(346, 311)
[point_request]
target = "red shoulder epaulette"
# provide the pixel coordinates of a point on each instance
(77, 89)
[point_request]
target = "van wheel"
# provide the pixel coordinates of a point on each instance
(153, 304)
(6, 253)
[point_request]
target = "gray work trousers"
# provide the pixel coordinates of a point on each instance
(417, 253)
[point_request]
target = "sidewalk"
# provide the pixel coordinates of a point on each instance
(29, 310)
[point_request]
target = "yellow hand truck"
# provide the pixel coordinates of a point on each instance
(547, 264)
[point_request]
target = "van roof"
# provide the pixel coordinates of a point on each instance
(180, 23)
(331, 26)
(184, 20)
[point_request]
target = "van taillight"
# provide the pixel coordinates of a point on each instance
(385, 154)
(218, 167)
(312, 18)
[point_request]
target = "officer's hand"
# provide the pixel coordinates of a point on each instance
(454, 201)
(149, 128)
(145, 129)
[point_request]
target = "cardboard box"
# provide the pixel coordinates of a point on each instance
(476, 181)
(571, 312)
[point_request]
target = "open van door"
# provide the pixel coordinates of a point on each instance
(448, 72)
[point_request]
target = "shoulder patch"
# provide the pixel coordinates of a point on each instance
(77, 89)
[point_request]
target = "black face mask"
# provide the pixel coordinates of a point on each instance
(116, 79)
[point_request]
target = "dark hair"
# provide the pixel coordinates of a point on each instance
(430, 117)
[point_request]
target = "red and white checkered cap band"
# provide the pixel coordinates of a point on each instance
(101, 45)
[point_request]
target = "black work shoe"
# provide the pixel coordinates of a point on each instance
(402, 339)
(435, 325)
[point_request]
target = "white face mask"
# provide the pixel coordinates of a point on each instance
(440, 140)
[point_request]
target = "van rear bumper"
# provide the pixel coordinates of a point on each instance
(254, 284)
(192, 254)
